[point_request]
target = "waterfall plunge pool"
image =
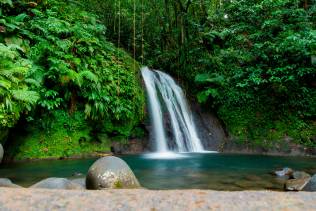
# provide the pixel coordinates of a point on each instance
(187, 171)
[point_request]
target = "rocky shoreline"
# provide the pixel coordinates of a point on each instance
(140, 199)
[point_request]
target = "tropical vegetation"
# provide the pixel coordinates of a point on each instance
(73, 66)
(55, 57)
(250, 61)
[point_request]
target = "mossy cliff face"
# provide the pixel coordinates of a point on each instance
(260, 130)
(53, 136)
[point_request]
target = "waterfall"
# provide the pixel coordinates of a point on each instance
(164, 94)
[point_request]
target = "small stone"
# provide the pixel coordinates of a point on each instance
(284, 172)
(296, 184)
(57, 183)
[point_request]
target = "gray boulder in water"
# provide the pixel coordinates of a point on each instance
(80, 181)
(7, 183)
(57, 183)
(1, 153)
(110, 172)
(311, 185)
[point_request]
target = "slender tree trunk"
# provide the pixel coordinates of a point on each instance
(73, 102)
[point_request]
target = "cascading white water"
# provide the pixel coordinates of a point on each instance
(164, 92)
(155, 111)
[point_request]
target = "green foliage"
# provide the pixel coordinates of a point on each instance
(15, 94)
(55, 55)
(55, 135)
(81, 67)
(263, 50)
(246, 57)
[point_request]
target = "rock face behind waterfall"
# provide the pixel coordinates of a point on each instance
(209, 127)
(110, 172)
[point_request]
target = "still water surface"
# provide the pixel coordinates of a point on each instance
(188, 171)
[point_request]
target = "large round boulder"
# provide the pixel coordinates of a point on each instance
(57, 183)
(311, 185)
(7, 183)
(110, 172)
(1, 153)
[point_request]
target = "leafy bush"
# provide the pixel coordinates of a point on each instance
(261, 71)
(70, 65)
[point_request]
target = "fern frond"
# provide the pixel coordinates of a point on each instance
(88, 75)
(25, 96)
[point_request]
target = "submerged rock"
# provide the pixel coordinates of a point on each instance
(110, 172)
(7, 183)
(284, 172)
(311, 185)
(298, 183)
(57, 183)
(1, 153)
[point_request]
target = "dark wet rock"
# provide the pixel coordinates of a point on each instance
(1, 153)
(57, 183)
(284, 172)
(132, 146)
(80, 181)
(4, 182)
(300, 175)
(311, 185)
(210, 129)
(296, 184)
(110, 172)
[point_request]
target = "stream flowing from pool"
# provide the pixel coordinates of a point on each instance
(166, 101)
(192, 171)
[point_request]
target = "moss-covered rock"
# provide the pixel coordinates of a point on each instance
(110, 172)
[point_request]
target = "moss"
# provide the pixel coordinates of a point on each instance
(257, 126)
(55, 136)
(118, 184)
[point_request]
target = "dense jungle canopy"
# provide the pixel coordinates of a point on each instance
(71, 67)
